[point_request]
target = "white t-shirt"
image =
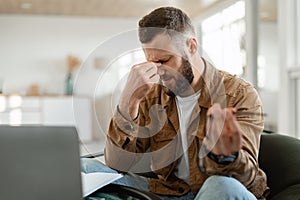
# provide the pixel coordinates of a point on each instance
(185, 107)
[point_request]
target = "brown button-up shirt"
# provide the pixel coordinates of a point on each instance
(154, 137)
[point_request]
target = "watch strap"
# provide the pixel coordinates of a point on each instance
(223, 160)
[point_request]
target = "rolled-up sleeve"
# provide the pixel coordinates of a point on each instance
(123, 144)
(245, 167)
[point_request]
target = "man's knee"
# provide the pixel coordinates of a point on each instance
(224, 188)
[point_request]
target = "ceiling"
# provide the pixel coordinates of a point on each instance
(117, 8)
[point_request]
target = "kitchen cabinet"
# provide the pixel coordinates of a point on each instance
(48, 110)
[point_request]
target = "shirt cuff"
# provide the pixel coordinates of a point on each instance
(128, 129)
(211, 167)
(127, 126)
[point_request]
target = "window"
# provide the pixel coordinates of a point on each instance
(223, 38)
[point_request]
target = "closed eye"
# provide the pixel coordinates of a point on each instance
(163, 61)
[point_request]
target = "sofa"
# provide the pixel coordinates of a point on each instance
(279, 157)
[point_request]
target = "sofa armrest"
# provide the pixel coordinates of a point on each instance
(279, 157)
(290, 193)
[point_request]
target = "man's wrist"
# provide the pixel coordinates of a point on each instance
(223, 160)
(129, 111)
(125, 116)
(129, 106)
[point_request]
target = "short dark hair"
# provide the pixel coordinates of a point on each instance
(164, 19)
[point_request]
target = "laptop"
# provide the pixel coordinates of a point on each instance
(39, 162)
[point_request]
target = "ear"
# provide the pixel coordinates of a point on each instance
(192, 45)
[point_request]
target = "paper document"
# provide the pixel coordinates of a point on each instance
(93, 181)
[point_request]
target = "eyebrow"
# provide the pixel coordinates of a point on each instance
(165, 56)
(162, 59)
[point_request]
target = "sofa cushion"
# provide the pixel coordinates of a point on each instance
(279, 157)
(290, 193)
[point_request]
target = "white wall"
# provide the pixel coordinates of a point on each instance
(34, 48)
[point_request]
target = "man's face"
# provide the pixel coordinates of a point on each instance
(175, 71)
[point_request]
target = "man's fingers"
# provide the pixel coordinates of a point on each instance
(213, 133)
(154, 78)
(236, 137)
(151, 72)
(148, 71)
(223, 135)
(214, 110)
(151, 69)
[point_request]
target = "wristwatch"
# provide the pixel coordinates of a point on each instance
(223, 160)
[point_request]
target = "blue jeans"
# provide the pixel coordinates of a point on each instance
(214, 188)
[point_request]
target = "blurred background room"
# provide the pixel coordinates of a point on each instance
(63, 62)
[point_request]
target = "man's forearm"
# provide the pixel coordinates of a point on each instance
(122, 144)
(129, 110)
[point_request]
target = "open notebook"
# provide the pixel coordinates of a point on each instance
(93, 181)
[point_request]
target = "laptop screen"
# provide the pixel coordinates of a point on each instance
(39, 162)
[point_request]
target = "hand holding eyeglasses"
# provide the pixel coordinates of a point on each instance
(223, 136)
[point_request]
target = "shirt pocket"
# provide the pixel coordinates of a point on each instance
(164, 136)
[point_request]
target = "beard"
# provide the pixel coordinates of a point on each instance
(184, 80)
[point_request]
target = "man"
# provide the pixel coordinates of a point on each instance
(195, 122)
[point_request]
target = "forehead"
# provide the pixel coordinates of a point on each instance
(161, 44)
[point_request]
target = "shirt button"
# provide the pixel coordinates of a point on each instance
(128, 127)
